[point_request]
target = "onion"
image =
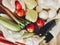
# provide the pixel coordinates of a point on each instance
(52, 13)
(43, 14)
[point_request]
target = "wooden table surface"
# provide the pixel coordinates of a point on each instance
(55, 41)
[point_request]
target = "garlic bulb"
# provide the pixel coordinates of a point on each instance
(10, 4)
(52, 13)
(43, 14)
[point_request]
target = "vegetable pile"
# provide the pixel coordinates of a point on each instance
(28, 18)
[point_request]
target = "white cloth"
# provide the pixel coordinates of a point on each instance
(49, 3)
(10, 4)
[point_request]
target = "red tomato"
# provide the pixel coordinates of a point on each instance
(40, 23)
(18, 43)
(20, 13)
(18, 6)
(30, 28)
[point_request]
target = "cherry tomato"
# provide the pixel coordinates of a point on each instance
(30, 28)
(20, 13)
(40, 23)
(18, 6)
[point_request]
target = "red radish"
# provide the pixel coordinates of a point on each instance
(5, 42)
(2, 37)
(18, 6)
(30, 28)
(40, 23)
(20, 13)
(18, 43)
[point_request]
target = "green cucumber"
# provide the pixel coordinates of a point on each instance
(22, 22)
(9, 24)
